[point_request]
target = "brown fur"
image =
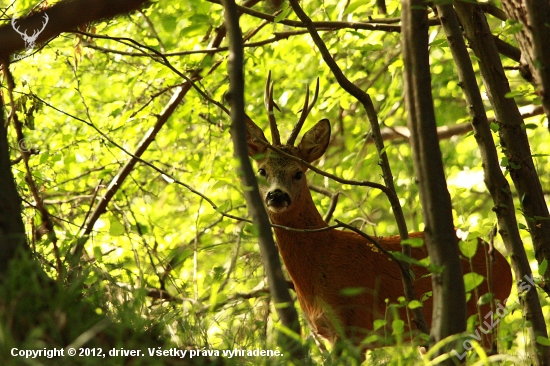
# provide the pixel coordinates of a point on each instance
(323, 264)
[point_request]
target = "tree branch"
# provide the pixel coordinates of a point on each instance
(322, 24)
(399, 134)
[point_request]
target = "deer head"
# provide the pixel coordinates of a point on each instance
(283, 180)
(30, 40)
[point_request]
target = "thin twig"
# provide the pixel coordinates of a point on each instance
(96, 190)
(324, 24)
(332, 206)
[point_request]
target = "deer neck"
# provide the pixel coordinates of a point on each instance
(302, 215)
(300, 249)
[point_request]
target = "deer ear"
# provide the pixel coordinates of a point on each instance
(255, 138)
(315, 141)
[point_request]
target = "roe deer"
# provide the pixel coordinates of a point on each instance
(323, 264)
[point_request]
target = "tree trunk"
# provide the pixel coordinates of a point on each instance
(534, 42)
(514, 141)
(12, 230)
(449, 301)
(275, 278)
(494, 178)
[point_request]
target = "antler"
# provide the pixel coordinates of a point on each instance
(269, 103)
(305, 112)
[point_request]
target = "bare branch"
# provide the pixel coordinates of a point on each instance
(332, 206)
(399, 134)
(323, 24)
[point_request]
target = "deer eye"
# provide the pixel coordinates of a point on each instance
(262, 172)
(298, 175)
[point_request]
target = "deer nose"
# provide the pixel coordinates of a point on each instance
(278, 198)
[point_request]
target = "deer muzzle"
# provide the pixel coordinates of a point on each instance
(277, 200)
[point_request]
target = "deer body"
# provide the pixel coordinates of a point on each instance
(324, 264)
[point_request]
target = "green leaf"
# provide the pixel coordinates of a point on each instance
(494, 127)
(426, 295)
(143, 229)
(405, 258)
(97, 253)
(468, 247)
(283, 14)
(384, 149)
(44, 157)
(358, 35)
(472, 280)
(413, 242)
(542, 267)
(373, 338)
(354, 5)
(543, 340)
(513, 94)
(485, 299)
(195, 29)
(379, 323)
(69, 160)
(513, 26)
(169, 23)
(530, 126)
(214, 295)
(414, 304)
(115, 227)
(252, 229)
(398, 326)
(439, 42)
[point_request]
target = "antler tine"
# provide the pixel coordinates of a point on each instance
(269, 103)
(300, 123)
(315, 96)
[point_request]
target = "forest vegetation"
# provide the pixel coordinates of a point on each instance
(125, 220)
